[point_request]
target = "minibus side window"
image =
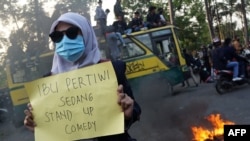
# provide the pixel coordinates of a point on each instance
(146, 40)
(24, 71)
(173, 55)
(167, 51)
(165, 46)
(21, 72)
(162, 33)
(18, 75)
(131, 50)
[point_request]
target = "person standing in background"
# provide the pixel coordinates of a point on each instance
(101, 17)
(190, 62)
(205, 58)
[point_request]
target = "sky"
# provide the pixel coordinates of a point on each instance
(106, 4)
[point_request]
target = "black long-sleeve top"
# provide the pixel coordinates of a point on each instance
(229, 53)
(153, 18)
(120, 26)
(136, 22)
(218, 61)
(120, 68)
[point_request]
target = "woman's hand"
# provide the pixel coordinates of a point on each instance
(29, 119)
(126, 102)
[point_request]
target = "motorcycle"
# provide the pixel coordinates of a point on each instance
(224, 82)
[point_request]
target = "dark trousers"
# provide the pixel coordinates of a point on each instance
(103, 24)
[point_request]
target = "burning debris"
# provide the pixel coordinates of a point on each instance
(214, 134)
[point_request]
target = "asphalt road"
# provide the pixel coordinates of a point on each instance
(169, 118)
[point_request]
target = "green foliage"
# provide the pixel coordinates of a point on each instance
(30, 27)
(190, 15)
(31, 37)
(131, 6)
(79, 6)
(195, 30)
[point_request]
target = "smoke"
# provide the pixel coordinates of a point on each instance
(166, 117)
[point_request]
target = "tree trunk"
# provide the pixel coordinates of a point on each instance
(209, 19)
(245, 26)
(37, 18)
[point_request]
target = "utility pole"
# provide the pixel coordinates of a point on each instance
(171, 15)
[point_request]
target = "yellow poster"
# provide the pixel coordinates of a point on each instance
(79, 104)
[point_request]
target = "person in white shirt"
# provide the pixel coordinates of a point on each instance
(162, 18)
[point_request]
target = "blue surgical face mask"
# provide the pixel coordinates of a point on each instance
(70, 49)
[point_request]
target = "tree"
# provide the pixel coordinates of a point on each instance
(32, 23)
(136, 5)
(245, 25)
(80, 6)
(209, 17)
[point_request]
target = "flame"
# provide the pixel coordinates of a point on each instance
(202, 134)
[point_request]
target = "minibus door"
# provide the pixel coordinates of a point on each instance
(166, 50)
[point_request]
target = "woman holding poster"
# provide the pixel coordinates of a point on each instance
(77, 47)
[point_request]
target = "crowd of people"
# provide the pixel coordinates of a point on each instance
(154, 18)
(220, 55)
(113, 33)
(202, 62)
(227, 55)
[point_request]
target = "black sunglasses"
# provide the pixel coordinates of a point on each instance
(71, 33)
